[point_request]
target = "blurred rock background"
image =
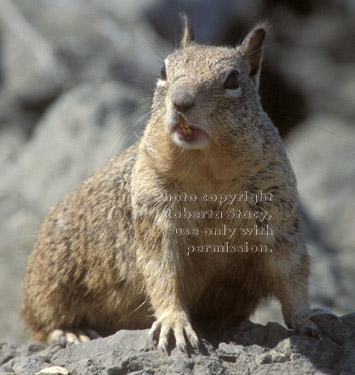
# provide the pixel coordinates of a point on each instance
(76, 79)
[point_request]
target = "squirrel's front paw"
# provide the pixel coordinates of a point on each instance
(180, 327)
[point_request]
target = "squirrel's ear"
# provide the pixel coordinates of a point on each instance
(188, 31)
(252, 51)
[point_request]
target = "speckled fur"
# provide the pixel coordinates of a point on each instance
(106, 256)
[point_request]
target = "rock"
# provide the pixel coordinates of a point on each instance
(74, 42)
(91, 38)
(326, 187)
(265, 350)
(33, 76)
(33, 73)
(53, 370)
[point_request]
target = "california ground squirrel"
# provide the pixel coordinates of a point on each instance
(196, 220)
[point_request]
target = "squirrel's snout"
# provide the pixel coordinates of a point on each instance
(183, 98)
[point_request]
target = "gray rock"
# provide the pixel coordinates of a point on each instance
(96, 40)
(32, 71)
(49, 47)
(266, 349)
(320, 154)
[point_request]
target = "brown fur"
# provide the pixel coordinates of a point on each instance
(106, 256)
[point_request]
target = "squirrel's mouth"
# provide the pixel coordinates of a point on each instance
(186, 135)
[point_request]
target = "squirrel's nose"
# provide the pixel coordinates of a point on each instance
(183, 98)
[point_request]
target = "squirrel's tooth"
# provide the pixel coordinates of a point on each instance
(183, 123)
(189, 131)
(184, 131)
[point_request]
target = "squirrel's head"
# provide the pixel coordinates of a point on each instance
(208, 93)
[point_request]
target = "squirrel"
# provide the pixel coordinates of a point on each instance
(111, 255)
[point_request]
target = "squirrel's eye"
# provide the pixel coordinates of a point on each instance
(163, 72)
(232, 80)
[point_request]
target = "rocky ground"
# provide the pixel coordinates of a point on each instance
(76, 79)
(253, 349)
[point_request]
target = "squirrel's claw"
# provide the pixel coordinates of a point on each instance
(63, 338)
(163, 328)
